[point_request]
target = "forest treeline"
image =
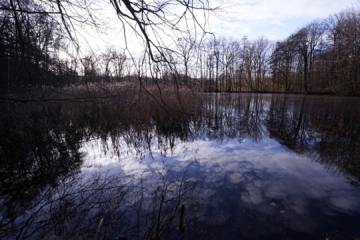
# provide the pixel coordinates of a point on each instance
(30, 44)
(322, 57)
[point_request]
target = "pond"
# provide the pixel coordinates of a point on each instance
(214, 166)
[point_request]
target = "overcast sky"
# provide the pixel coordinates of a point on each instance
(272, 19)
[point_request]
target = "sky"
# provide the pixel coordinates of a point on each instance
(272, 19)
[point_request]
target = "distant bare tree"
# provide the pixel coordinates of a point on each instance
(186, 48)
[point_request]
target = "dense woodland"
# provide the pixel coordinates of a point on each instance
(322, 57)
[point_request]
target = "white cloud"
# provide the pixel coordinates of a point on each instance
(274, 19)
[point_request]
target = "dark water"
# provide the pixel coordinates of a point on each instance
(216, 167)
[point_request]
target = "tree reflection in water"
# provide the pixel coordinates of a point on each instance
(49, 189)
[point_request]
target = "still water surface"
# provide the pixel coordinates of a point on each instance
(224, 167)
